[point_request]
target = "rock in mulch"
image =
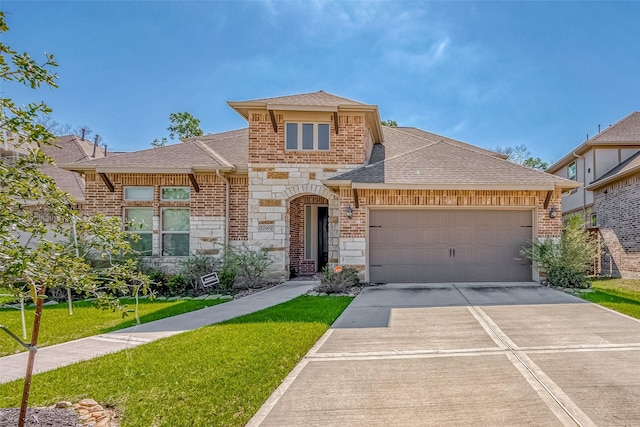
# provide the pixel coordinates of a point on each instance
(40, 417)
(87, 413)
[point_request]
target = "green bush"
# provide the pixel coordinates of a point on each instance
(178, 285)
(568, 260)
(227, 278)
(333, 282)
(250, 265)
(158, 284)
(196, 266)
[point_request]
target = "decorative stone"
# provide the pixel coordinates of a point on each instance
(213, 296)
(173, 298)
(88, 402)
(51, 302)
(62, 405)
(201, 297)
(226, 297)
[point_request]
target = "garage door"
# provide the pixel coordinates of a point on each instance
(448, 245)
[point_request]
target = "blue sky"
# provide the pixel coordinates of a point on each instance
(543, 74)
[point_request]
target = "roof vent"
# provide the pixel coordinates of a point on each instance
(95, 145)
(83, 133)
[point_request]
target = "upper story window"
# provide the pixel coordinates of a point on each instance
(138, 193)
(571, 171)
(307, 136)
(175, 193)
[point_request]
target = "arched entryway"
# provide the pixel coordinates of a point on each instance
(308, 234)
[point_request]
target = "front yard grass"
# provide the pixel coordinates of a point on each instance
(58, 326)
(622, 295)
(218, 375)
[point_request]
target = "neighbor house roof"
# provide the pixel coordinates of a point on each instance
(226, 151)
(624, 132)
(69, 149)
(629, 167)
(411, 158)
(315, 101)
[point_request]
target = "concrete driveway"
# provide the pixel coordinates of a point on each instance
(490, 354)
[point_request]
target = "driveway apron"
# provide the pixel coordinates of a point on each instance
(466, 355)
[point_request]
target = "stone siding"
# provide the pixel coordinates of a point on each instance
(618, 217)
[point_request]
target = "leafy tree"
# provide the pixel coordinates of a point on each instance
(389, 122)
(26, 194)
(536, 163)
(182, 125)
(521, 155)
(565, 261)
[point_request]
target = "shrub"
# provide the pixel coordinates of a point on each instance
(567, 261)
(333, 282)
(178, 285)
(227, 278)
(195, 267)
(250, 265)
(158, 284)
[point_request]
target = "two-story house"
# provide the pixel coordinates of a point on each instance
(607, 167)
(316, 179)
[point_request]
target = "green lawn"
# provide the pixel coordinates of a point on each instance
(58, 326)
(218, 375)
(622, 295)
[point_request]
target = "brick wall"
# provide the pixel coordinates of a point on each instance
(207, 208)
(347, 147)
(297, 261)
(618, 214)
(238, 208)
(356, 226)
(210, 201)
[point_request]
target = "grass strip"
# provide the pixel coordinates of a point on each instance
(621, 295)
(218, 375)
(87, 320)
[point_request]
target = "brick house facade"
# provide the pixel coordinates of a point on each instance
(302, 181)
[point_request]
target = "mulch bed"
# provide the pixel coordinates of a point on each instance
(40, 417)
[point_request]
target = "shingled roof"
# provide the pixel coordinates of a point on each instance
(629, 167)
(320, 98)
(69, 149)
(221, 151)
(624, 132)
(418, 159)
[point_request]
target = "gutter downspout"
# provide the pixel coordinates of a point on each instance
(227, 203)
(584, 191)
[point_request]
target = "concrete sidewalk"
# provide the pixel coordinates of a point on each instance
(55, 356)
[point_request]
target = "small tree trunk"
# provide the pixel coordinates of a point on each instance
(32, 358)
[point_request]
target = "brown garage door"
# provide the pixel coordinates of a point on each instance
(448, 245)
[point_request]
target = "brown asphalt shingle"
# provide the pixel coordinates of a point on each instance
(626, 130)
(209, 151)
(320, 98)
(432, 160)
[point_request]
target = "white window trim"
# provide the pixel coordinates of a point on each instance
(575, 176)
(175, 200)
(134, 231)
(163, 232)
(124, 193)
(299, 136)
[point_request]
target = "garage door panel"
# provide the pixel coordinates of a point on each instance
(448, 245)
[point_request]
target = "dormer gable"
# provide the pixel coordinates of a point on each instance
(310, 128)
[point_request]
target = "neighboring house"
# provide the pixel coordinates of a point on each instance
(316, 179)
(609, 166)
(65, 149)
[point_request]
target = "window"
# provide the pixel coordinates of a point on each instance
(175, 232)
(571, 171)
(138, 193)
(307, 136)
(176, 193)
(140, 221)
